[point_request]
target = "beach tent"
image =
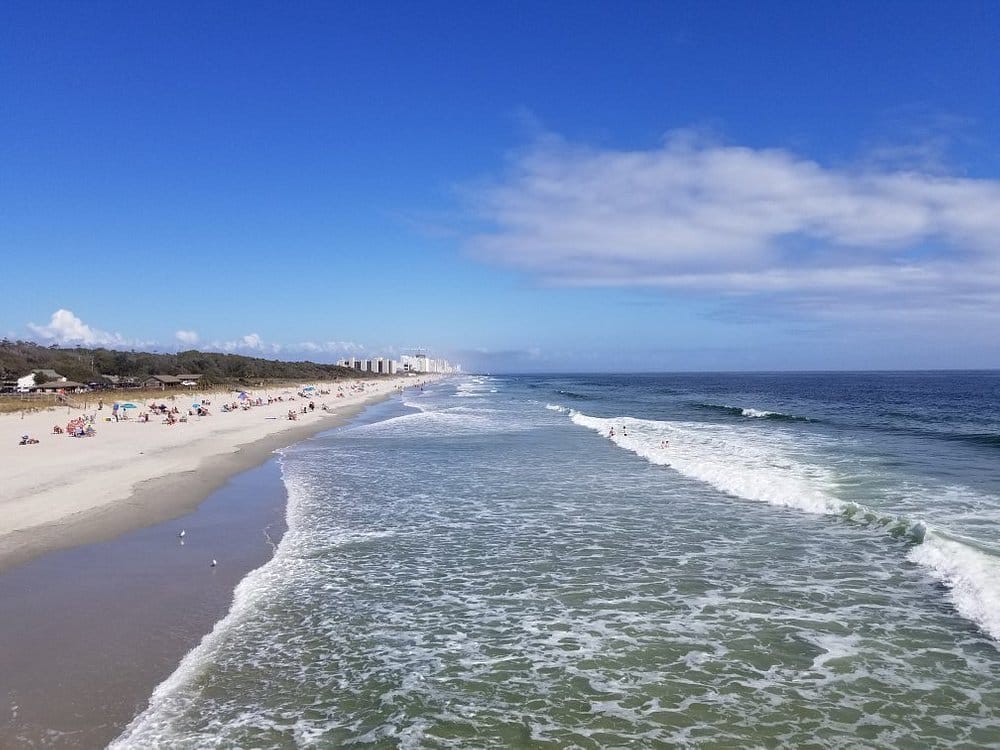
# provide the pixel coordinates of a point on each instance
(309, 388)
(243, 396)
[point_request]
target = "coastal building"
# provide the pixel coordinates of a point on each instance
(26, 383)
(376, 366)
(407, 363)
(60, 386)
(161, 381)
(421, 363)
(121, 381)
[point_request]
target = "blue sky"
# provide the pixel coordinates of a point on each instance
(517, 186)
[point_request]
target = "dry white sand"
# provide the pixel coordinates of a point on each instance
(66, 491)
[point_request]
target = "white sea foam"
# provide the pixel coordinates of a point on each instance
(493, 599)
(154, 726)
(746, 465)
(473, 388)
(765, 469)
(973, 577)
(759, 414)
(834, 647)
(556, 407)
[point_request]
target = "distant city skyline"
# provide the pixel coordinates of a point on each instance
(517, 187)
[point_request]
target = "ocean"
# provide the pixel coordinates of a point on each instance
(751, 560)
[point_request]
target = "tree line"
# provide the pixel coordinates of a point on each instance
(18, 358)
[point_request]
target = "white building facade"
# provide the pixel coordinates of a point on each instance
(417, 363)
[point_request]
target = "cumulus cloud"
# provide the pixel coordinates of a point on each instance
(694, 215)
(331, 347)
(251, 343)
(189, 338)
(67, 328)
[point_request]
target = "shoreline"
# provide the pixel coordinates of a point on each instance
(140, 598)
(139, 604)
(56, 501)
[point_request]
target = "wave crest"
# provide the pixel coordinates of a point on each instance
(746, 466)
(971, 575)
(751, 413)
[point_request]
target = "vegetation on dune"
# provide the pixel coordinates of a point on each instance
(18, 358)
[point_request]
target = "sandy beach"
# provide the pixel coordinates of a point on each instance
(65, 491)
(93, 531)
(98, 626)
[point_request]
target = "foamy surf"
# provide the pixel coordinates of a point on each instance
(759, 414)
(767, 472)
(752, 413)
(746, 465)
(971, 575)
(538, 585)
(734, 464)
(161, 725)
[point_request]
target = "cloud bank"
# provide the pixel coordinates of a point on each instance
(66, 328)
(704, 217)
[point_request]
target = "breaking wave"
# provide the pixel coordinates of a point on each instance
(739, 411)
(985, 438)
(972, 576)
(767, 469)
(574, 396)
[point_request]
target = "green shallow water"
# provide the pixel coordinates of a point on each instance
(483, 573)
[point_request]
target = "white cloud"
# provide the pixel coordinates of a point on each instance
(251, 343)
(699, 216)
(66, 328)
(331, 347)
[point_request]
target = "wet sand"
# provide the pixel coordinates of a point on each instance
(88, 632)
(64, 492)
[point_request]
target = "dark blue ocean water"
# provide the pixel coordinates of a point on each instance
(623, 561)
